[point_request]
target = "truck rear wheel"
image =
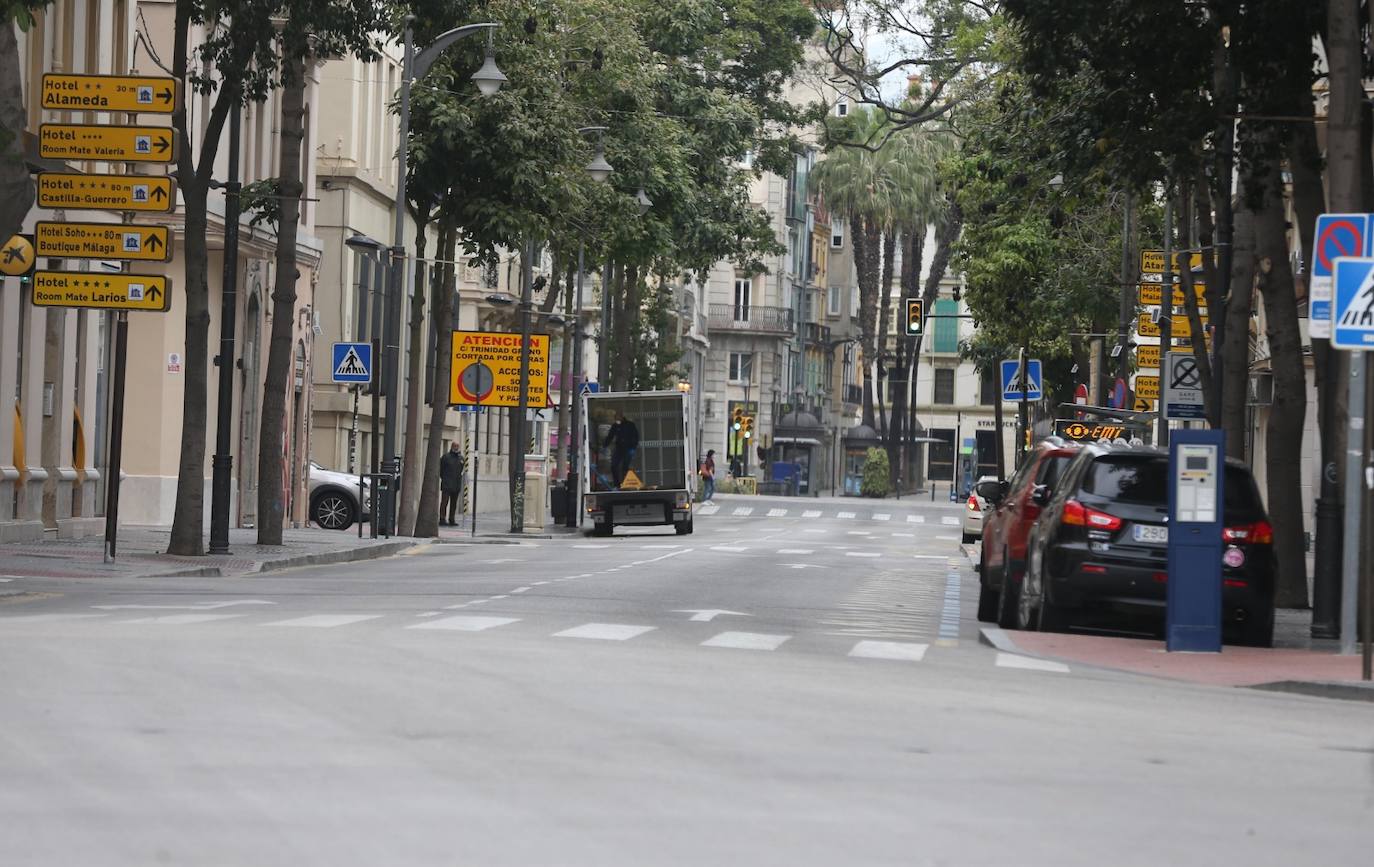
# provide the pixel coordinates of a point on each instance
(683, 527)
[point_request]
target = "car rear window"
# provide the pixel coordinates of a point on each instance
(1145, 480)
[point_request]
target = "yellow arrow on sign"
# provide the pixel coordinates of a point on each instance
(89, 141)
(16, 257)
(153, 94)
(102, 291)
(79, 192)
(103, 241)
(1143, 405)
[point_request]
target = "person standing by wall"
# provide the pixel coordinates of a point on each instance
(623, 439)
(450, 484)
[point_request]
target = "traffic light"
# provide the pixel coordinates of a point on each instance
(914, 309)
(737, 421)
(748, 426)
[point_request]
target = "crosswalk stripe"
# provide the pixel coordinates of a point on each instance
(734, 549)
(859, 533)
(777, 513)
(915, 519)
(466, 623)
(324, 621)
(949, 521)
(811, 513)
(746, 640)
(796, 550)
(844, 514)
(902, 650)
(862, 554)
(882, 517)
(743, 511)
(604, 631)
(1012, 660)
(183, 619)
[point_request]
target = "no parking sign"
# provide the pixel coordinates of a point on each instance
(1336, 236)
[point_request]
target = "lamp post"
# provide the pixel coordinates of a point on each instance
(488, 79)
(222, 464)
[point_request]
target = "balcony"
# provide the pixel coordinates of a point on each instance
(854, 394)
(751, 319)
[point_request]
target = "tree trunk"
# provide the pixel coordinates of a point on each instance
(633, 319)
(415, 370)
(884, 318)
(16, 186)
(188, 517)
(1288, 414)
(271, 498)
(427, 510)
(866, 254)
(1236, 362)
(1219, 285)
(568, 393)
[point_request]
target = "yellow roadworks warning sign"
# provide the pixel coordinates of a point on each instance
(102, 291)
(631, 482)
(153, 94)
(102, 241)
(75, 191)
(116, 144)
(494, 380)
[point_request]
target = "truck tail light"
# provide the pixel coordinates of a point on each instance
(1258, 533)
(681, 499)
(590, 500)
(1078, 515)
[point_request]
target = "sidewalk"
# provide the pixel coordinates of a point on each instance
(493, 528)
(1296, 662)
(141, 554)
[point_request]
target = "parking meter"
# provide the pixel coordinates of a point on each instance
(1197, 462)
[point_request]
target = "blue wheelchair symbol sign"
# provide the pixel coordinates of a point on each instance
(1353, 325)
(1011, 379)
(352, 362)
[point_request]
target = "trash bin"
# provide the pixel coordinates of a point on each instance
(558, 501)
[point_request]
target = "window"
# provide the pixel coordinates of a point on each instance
(946, 328)
(743, 290)
(940, 466)
(836, 234)
(989, 386)
(944, 385)
(854, 302)
(832, 300)
(842, 108)
(741, 367)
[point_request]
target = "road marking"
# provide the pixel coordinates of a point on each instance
(777, 513)
(540, 583)
(706, 615)
(436, 613)
(502, 596)
(55, 617)
(801, 566)
(948, 538)
(844, 515)
(1012, 660)
(183, 619)
(903, 535)
(326, 621)
(522, 589)
(590, 545)
(734, 549)
(949, 521)
(658, 547)
(930, 556)
(862, 554)
(503, 560)
(949, 615)
(197, 606)
(859, 533)
(811, 513)
(746, 640)
(915, 519)
(796, 550)
(902, 650)
(475, 602)
(465, 623)
(604, 631)
(882, 517)
(743, 511)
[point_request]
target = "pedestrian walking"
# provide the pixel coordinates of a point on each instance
(451, 469)
(708, 475)
(623, 440)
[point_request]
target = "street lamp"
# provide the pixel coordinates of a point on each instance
(645, 203)
(488, 80)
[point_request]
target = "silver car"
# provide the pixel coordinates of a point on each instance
(334, 499)
(973, 512)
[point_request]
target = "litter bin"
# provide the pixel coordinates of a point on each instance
(558, 501)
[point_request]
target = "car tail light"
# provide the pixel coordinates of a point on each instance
(1235, 582)
(1079, 515)
(1094, 569)
(973, 503)
(1258, 533)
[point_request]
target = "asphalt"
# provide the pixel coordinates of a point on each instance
(775, 689)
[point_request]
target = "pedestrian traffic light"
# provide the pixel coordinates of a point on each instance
(748, 426)
(737, 421)
(914, 309)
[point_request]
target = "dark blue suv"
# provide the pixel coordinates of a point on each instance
(1101, 546)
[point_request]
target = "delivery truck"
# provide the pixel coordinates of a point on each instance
(638, 460)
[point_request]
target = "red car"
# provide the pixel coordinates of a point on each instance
(1013, 508)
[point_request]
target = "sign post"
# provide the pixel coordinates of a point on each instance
(1352, 328)
(1197, 462)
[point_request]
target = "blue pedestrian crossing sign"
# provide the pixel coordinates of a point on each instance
(1353, 310)
(1011, 379)
(353, 362)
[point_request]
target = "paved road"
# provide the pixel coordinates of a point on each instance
(776, 689)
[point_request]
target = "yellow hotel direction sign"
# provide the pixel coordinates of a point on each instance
(89, 141)
(499, 383)
(154, 94)
(1181, 326)
(1153, 294)
(1147, 356)
(102, 241)
(1152, 261)
(1147, 387)
(102, 291)
(79, 192)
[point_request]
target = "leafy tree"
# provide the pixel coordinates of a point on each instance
(16, 186)
(876, 479)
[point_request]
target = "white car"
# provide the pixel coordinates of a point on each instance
(334, 499)
(973, 512)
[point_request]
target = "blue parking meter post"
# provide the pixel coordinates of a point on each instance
(1197, 461)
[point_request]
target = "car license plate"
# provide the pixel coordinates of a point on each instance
(1150, 533)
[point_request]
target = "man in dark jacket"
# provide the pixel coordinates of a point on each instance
(623, 438)
(450, 484)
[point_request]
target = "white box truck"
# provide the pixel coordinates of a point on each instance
(638, 459)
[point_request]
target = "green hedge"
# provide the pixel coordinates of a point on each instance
(875, 482)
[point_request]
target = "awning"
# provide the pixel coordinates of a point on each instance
(797, 441)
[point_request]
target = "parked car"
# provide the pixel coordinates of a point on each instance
(973, 512)
(1101, 546)
(1007, 524)
(334, 499)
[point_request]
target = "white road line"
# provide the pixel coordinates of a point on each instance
(55, 617)
(844, 515)
(325, 621)
(948, 538)
(502, 596)
(949, 521)
(813, 530)
(734, 549)
(657, 547)
(743, 511)
(746, 640)
(903, 535)
(522, 589)
(902, 650)
(862, 554)
(503, 560)
(915, 519)
(777, 513)
(183, 619)
(859, 533)
(604, 631)
(811, 513)
(949, 615)
(930, 556)
(476, 602)
(1012, 660)
(796, 550)
(540, 583)
(465, 623)
(590, 545)
(882, 517)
